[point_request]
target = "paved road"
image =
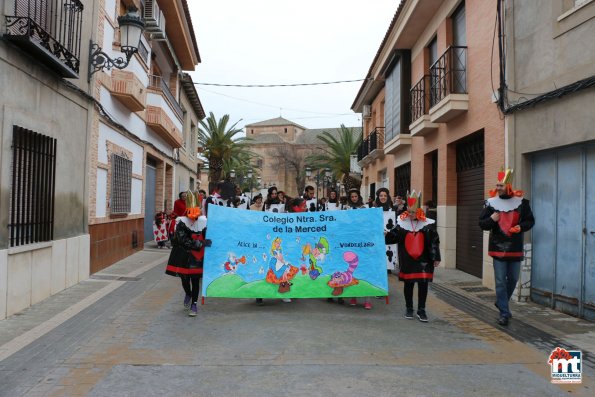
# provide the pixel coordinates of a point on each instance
(135, 339)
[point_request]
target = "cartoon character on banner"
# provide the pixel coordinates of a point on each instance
(390, 221)
(316, 256)
(232, 262)
(280, 272)
(341, 280)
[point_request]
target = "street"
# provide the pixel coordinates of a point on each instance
(124, 332)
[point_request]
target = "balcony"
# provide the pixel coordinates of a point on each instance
(419, 102)
(129, 90)
(158, 84)
(162, 124)
(448, 85)
(50, 31)
(371, 148)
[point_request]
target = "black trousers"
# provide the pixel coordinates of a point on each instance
(191, 286)
(422, 294)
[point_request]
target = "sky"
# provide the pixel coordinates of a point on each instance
(286, 42)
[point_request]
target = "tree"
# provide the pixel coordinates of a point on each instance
(221, 144)
(336, 155)
(290, 158)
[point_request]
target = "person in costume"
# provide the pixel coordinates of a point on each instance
(383, 201)
(160, 232)
(186, 258)
(180, 205)
(507, 215)
(419, 253)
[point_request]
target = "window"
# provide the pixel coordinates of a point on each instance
(392, 109)
(286, 130)
(121, 184)
(31, 207)
(259, 163)
(458, 61)
(403, 180)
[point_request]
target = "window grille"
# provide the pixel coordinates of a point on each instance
(31, 207)
(121, 184)
(403, 180)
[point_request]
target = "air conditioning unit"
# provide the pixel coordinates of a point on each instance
(154, 20)
(367, 111)
(151, 14)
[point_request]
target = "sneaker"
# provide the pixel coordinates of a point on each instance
(340, 301)
(409, 314)
(421, 316)
(503, 321)
(193, 310)
(367, 306)
(286, 300)
(259, 302)
(187, 300)
(352, 302)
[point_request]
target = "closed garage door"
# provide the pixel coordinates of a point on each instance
(470, 199)
(562, 199)
(149, 199)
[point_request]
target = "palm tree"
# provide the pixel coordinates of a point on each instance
(221, 145)
(336, 155)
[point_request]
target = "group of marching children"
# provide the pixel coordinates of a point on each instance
(414, 234)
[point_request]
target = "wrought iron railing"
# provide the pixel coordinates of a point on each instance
(376, 138)
(158, 83)
(374, 141)
(55, 25)
(364, 149)
(419, 98)
(143, 51)
(448, 75)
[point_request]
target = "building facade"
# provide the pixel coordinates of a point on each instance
(430, 121)
(141, 133)
(549, 97)
(44, 118)
(283, 147)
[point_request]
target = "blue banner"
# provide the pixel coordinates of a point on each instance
(258, 254)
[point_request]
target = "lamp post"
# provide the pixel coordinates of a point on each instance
(131, 29)
(249, 175)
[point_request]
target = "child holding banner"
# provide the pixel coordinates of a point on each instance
(419, 253)
(185, 260)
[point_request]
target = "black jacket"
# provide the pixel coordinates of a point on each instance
(501, 245)
(422, 268)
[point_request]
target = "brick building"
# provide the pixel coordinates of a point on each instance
(283, 147)
(430, 122)
(143, 139)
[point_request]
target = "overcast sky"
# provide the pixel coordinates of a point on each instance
(282, 42)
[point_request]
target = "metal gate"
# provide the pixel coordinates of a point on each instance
(470, 199)
(150, 174)
(563, 202)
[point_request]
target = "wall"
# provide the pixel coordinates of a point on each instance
(32, 273)
(113, 241)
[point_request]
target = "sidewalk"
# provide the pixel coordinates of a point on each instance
(124, 332)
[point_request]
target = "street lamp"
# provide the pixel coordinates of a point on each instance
(232, 173)
(131, 29)
(308, 172)
(249, 175)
